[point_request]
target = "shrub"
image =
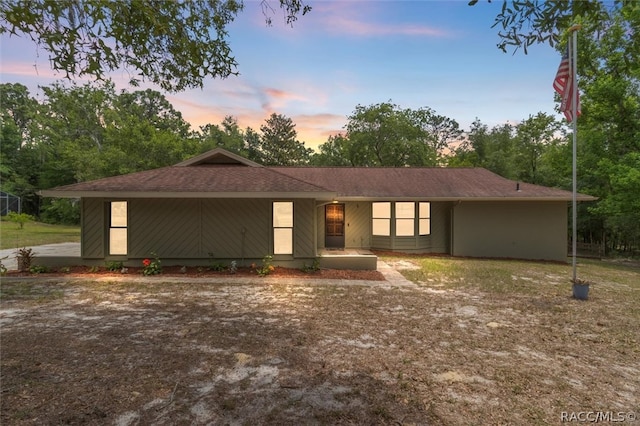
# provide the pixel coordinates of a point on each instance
(114, 266)
(19, 218)
(25, 257)
(3, 269)
(215, 265)
(266, 268)
(61, 211)
(152, 267)
(315, 266)
(38, 269)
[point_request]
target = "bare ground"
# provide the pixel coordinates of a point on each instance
(98, 352)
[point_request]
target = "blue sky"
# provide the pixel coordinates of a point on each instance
(437, 54)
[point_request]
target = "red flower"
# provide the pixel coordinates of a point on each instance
(146, 262)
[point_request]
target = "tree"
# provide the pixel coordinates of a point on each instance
(175, 44)
(386, 135)
(334, 152)
(279, 145)
(533, 136)
(523, 23)
(228, 136)
(18, 155)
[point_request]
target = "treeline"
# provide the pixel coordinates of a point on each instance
(78, 133)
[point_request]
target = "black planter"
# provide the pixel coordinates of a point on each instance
(581, 291)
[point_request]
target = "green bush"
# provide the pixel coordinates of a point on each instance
(152, 267)
(114, 266)
(38, 269)
(19, 218)
(266, 268)
(61, 211)
(314, 267)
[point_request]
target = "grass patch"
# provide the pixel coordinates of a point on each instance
(36, 233)
(519, 277)
(30, 291)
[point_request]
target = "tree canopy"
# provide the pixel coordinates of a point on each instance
(174, 44)
(523, 23)
(385, 134)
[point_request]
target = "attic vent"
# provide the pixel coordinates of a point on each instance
(218, 156)
(220, 159)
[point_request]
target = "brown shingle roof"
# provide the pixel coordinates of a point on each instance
(433, 183)
(210, 175)
(195, 179)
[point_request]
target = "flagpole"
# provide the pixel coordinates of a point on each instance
(574, 110)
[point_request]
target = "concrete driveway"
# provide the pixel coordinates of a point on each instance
(61, 249)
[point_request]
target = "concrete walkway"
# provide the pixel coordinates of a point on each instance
(61, 249)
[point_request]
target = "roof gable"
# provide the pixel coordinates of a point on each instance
(218, 156)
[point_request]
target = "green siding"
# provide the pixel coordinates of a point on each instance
(523, 230)
(93, 228)
(357, 225)
(438, 241)
(236, 229)
(303, 235)
(170, 228)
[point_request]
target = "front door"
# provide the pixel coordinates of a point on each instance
(334, 226)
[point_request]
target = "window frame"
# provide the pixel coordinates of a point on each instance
(282, 232)
(424, 219)
(405, 218)
(116, 226)
(381, 217)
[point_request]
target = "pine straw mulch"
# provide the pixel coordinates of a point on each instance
(204, 272)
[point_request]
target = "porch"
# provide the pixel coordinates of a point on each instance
(357, 259)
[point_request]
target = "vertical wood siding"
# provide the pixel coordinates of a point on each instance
(93, 228)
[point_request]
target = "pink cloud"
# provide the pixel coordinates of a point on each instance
(364, 19)
(351, 26)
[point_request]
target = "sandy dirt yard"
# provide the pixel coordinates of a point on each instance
(303, 352)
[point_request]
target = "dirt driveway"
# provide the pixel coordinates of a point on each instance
(299, 353)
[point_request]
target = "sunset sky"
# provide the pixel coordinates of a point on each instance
(437, 54)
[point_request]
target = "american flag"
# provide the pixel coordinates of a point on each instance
(563, 84)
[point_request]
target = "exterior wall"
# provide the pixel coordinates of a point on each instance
(357, 233)
(93, 228)
(357, 225)
(236, 229)
(438, 241)
(304, 245)
(524, 230)
(358, 230)
(186, 231)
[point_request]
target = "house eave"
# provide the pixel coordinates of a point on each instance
(580, 198)
(321, 196)
(177, 194)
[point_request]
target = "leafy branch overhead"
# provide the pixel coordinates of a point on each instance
(522, 23)
(174, 44)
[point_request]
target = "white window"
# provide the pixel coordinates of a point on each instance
(118, 228)
(405, 219)
(381, 223)
(283, 227)
(424, 213)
